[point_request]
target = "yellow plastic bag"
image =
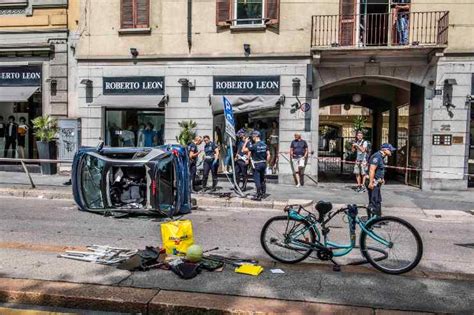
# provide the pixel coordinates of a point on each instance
(177, 236)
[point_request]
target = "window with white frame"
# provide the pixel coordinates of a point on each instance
(249, 12)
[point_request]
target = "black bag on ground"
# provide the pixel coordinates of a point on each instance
(186, 270)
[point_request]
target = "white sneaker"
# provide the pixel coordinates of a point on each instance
(298, 185)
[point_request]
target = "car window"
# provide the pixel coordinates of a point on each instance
(165, 183)
(91, 175)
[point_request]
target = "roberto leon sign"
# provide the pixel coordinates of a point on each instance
(247, 85)
(134, 85)
(20, 76)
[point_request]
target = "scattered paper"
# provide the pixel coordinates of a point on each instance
(277, 271)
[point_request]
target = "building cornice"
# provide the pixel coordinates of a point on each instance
(165, 58)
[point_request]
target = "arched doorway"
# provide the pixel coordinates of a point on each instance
(387, 110)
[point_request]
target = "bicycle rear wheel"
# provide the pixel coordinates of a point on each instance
(405, 249)
(275, 239)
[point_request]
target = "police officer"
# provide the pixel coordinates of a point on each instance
(376, 177)
(259, 156)
(241, 160)
(193, 156)
(211, 162)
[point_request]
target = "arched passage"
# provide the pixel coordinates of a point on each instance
(386, 109)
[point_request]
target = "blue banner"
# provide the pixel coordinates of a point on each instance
(229, 118)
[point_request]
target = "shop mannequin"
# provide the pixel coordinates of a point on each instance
(2, 133)
(11, 133)
(22, 132)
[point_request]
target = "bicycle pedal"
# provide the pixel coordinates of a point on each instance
(336, 268)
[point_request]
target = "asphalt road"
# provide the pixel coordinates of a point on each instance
(34, 231)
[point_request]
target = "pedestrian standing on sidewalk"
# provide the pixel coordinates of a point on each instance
(241, 161)
(360, 146)
(211, 162)
(376, 177)
(298, 156)
(193, 156)
(260, 155)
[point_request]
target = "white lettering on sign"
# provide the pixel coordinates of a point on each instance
(31, 76)
(18, 75)
(260, 85)
(122, 85)
(10, 75)
(232, 85)
(152, 85)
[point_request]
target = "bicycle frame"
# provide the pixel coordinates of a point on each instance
(338, 250)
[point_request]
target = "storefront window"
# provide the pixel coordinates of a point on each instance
(134, 128)
(249, 12)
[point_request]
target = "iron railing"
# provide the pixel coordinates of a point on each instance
(380, 29)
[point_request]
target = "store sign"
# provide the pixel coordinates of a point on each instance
(246, 85)
(20, 76)
(134, 85)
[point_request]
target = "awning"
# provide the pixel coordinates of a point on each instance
(247, 103)
(16, 93)
(130, 100)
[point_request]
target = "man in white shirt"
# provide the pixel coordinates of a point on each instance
(360, 167)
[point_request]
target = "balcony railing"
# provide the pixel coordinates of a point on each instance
(380, 29)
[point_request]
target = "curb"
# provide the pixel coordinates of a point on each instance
(202, 201)
(214, 202)
(155, 301)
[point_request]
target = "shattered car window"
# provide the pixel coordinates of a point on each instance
(92, 169)
(166, 178)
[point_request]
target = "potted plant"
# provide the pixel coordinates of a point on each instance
(46, 128)
(187, 133)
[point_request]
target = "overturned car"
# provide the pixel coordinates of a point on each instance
(132, 180)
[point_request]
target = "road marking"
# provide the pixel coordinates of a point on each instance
(20, 311)
(40, 247)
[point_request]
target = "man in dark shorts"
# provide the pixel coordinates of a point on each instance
(299, 155)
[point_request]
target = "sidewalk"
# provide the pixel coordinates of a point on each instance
(35, 231)
(394, 195)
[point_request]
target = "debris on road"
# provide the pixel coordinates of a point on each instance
(105, 255)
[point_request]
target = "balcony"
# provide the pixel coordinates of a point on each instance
(378, 31)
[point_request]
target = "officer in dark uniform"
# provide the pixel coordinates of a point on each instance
(193, 156)
(211, 162)
(241, 161)
(376, 177)
(259, 156)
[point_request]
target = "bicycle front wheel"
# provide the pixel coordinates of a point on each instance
(404, 249)
(276, 239)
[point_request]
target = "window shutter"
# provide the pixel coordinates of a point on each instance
(347, 22)
(272, 13)
(126, 12)
(223, 12)
(142, 11)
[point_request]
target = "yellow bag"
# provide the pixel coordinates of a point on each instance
(177, 236)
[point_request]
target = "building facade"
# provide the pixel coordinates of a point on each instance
(33, 67)
(279, 62)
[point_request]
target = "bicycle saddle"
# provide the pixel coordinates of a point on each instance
(323, 207)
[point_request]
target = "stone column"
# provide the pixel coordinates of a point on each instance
(314, 137)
